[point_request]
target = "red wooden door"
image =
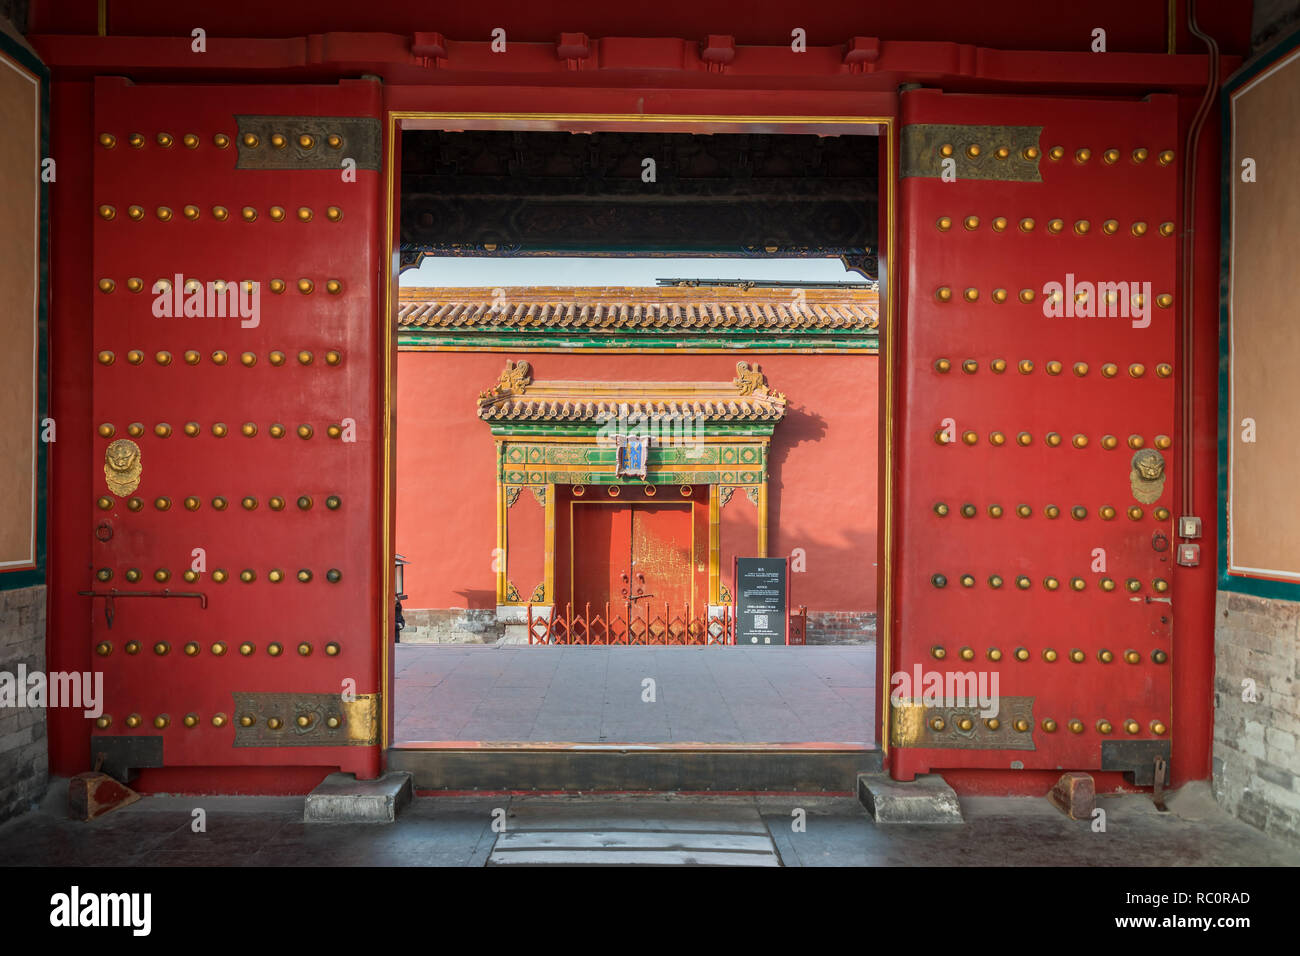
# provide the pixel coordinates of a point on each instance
(1034, 529)
(602, 545)
(241, 453)
(633, 550)
(661, 554)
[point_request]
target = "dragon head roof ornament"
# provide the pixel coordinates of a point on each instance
(514, 380)
(752, 381)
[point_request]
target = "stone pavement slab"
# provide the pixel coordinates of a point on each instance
(577, 694)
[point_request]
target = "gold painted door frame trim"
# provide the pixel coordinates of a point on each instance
(499, 559)
(887, 130)
(715, 541)
(548, 567)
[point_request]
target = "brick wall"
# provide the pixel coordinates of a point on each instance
(841, 627)
(451, 626)
(1256, 765)
(1256, 762)
(24, 764)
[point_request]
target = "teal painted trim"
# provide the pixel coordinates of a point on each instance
(1252, 68)
(658, 478)
(31, 577)
(664, 468)
(1259, 587)
(721, 341)
(1226, 179)
(655, 456)
(653, 478)
(592, 430)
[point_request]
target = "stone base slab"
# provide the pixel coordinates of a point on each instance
(450, 626)
(342, 798)
(928, 799)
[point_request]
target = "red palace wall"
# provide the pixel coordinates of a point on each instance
(822, 491)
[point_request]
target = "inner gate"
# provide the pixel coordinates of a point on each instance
(631, 552)
(615, 396)
(631, 478)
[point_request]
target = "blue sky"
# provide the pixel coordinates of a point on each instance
(489, 272)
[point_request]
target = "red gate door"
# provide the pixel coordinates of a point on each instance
(1035, 473)
(644, 549)
(236, 375)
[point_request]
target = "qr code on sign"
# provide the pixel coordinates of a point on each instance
(760, 622)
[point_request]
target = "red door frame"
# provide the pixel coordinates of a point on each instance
(681, 112)
(795, 111)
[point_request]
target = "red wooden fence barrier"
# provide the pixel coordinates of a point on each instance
(637, 624)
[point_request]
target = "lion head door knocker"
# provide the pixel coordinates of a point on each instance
(1148, 475)
(122, 467)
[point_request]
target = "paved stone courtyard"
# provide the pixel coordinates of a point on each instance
(583, 694)
(458, 831)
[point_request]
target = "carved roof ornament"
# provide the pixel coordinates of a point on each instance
(516, 377)
(513, 381)
(747, 379)
(752, 381)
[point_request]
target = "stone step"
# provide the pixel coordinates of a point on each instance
(514, 634)
(623, 767)
(644, 832)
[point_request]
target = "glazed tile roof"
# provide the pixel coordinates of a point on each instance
(625, 309)
(746, 398)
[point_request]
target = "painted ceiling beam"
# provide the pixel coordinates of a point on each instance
(660, 61)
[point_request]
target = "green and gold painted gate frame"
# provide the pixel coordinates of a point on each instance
(883, 126)
(564, 434)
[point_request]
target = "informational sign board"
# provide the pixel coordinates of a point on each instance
(762, 601)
